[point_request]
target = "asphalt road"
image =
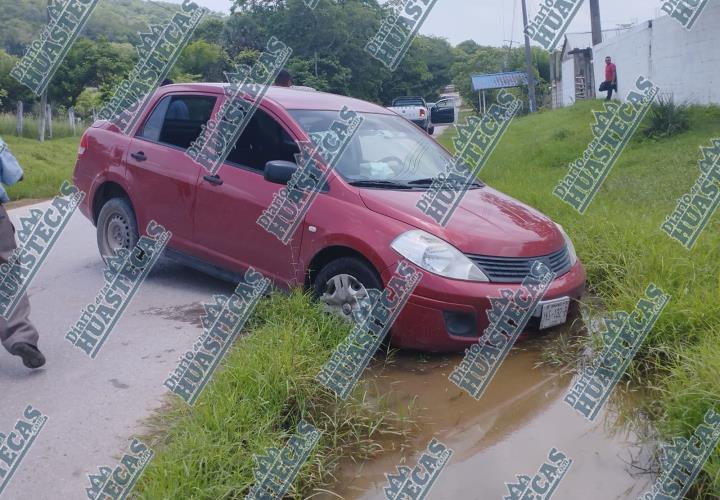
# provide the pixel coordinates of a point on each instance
(439, 129)
(94, 406)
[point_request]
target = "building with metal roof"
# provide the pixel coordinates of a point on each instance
(492, 81)
(499, 80)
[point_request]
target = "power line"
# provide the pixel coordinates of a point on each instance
(512, 36)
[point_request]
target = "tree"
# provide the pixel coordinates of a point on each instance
(88, 99)
(15, 91)
(328, 45)
(210, 30)
(481, 60)
(472, 59)
(91, 64)
(207, 60)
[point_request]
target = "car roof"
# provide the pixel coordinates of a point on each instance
(288, 98)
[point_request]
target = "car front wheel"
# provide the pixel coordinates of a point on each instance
(342, 287)
(116, 227)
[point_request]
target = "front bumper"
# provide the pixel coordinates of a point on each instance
(422, 322)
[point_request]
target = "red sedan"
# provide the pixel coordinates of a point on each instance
(356, 230)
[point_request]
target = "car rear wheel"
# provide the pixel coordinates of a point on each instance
(116, 227)
(431, 130)
(342, 286)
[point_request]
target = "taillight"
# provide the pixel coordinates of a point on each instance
(83, 144)
(422, 113)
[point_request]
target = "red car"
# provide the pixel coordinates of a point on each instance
(356, 230)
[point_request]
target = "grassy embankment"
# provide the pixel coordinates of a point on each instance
(620, 242)
(266, 384)
(46, 165)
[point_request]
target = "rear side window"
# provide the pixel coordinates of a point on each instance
(263, 140)
(177, 120)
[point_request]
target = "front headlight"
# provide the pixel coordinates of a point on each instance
(569, 243)
(437, 256)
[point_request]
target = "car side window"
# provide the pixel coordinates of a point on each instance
(263, 140)
(178, 119)
(153, 125)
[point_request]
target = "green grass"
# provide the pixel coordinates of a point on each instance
(46, 165)
(266, 384)
(620, 242)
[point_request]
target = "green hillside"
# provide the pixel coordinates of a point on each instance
(116, 20)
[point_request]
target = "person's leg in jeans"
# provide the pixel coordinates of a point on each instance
(17, 334)
(609, 93)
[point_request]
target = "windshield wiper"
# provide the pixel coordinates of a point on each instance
(379, 183)
(429, 180)
(423, 182)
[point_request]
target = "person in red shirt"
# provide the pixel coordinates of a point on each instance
(610, 82)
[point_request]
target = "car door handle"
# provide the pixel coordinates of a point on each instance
(139, 156)
(213, 179)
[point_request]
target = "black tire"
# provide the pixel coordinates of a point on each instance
(431, 130)
(116, 227)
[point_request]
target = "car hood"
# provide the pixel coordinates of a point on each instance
(487, 222)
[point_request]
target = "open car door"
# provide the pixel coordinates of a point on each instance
(443, 111)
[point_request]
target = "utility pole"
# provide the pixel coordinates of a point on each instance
(43, 98)
(595, 22)
(528, 62)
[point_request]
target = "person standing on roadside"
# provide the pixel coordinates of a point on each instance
(17, 334)
(610, 82)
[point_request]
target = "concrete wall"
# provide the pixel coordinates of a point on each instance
(684, 64)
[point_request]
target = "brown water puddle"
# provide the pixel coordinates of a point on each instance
(508, 432)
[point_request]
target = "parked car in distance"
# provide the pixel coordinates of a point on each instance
(452, 98)
(355, 233)
(422, 114)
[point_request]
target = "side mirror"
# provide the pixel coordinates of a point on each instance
(279, 171)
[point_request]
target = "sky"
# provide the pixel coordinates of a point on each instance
(490, 22)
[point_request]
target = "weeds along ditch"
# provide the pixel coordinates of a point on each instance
(265, 386)
(620, 242)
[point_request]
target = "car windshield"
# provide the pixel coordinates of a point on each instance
(386, 149)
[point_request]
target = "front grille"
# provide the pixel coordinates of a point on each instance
(514, 269)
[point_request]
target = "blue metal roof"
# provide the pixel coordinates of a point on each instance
(499, 80)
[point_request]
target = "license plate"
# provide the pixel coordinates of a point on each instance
(554, 312)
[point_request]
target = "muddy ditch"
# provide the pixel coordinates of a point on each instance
(509, 432)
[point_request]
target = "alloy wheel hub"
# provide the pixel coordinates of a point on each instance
(344, 296)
